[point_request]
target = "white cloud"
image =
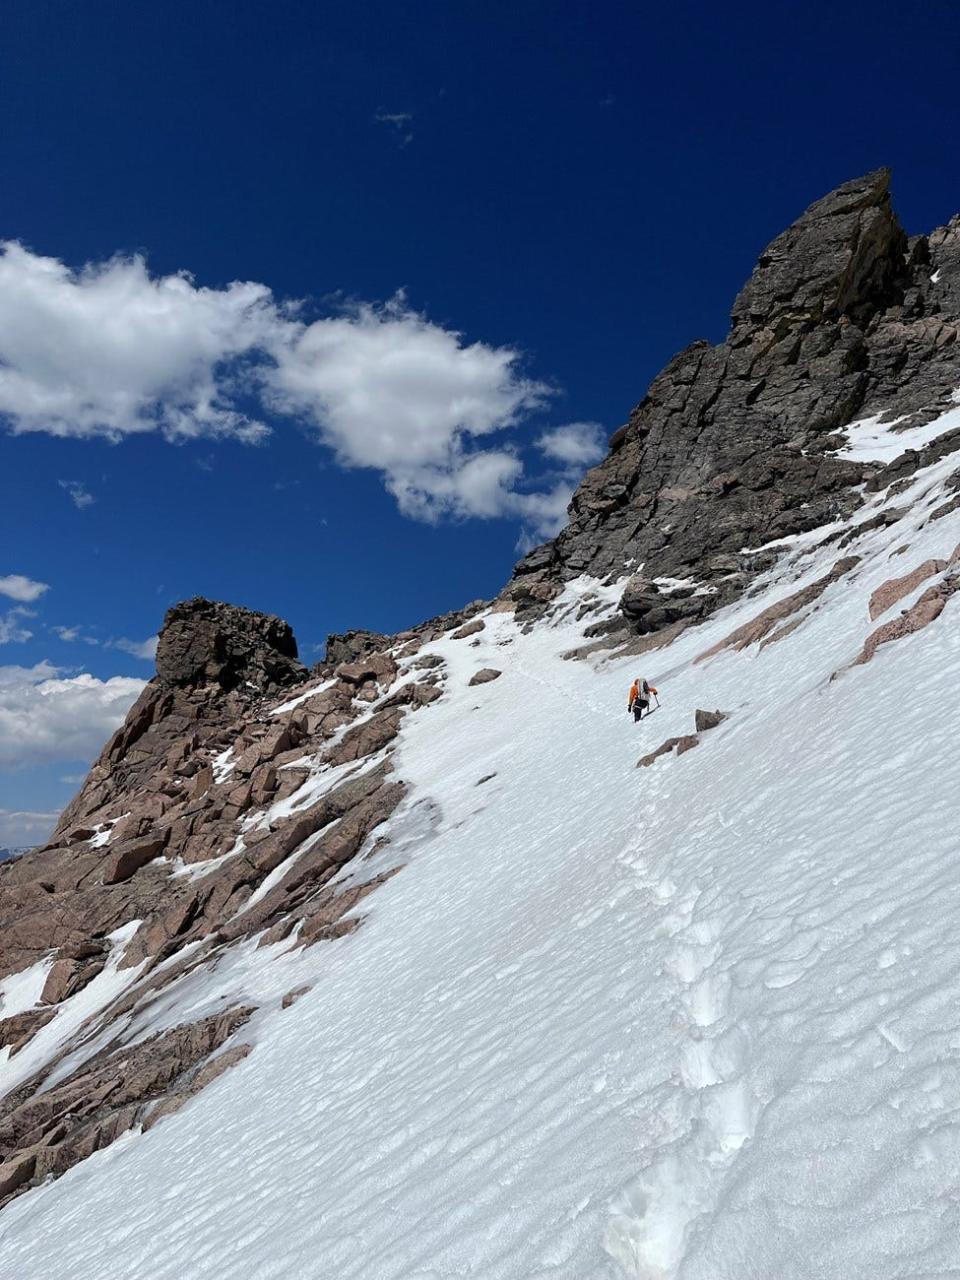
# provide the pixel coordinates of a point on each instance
(389, 390)
(576, 444)
(44, 716)
(17, 587)
(79, 496)
(112, 351)
(23, 828)
(12, 630)
(71, 635)
(145, 649)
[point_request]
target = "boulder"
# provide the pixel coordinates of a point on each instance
(125, 859)
(67, 977)
(709, 719)
(206, 642)
(484, 676)
(378, 667)
(368, 738)
(16, 1030)
(293, 996)
(469, 629)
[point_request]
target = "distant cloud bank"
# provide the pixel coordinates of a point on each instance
(46, 716)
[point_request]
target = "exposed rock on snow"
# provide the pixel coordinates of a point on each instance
(484, 676)
(709, 719)
(43, 1134)
(887, 595)
(926, 610)
(684, 742)
(760, 627)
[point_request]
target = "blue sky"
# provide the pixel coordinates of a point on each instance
(470, 233)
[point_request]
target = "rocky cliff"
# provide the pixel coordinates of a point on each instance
(735, 446)
(244, 802)
(238, 787)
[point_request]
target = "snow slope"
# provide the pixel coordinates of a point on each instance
(696, 1021)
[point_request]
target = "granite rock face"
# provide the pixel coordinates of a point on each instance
(210, 819)
(734, 446)
(205, 642)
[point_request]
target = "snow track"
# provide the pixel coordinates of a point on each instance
(699, 1021)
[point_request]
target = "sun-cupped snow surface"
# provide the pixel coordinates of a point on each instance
(698, 1021)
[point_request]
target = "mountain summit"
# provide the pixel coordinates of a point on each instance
(430, 961)
(737, 445)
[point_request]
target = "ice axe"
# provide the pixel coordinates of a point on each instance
(653, 709)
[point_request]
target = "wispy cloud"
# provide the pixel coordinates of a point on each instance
(12, 630)
(71, 635)
(144, 649)
(17, 587)
(575, 444)
(399, 122)
(79, 495)
(24, 828)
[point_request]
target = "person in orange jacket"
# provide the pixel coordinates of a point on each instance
(639, 699)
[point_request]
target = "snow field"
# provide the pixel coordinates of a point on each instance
(694, 1022)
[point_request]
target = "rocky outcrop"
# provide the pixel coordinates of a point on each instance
(351, 645)
(734, 446)
(685, 742)
(762, 627)
(204, 642)
(926, 610)
(889, 593)
(43, 1134)
(222, 810)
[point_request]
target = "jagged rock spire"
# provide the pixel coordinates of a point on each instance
(843, 256)
(735, 446)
